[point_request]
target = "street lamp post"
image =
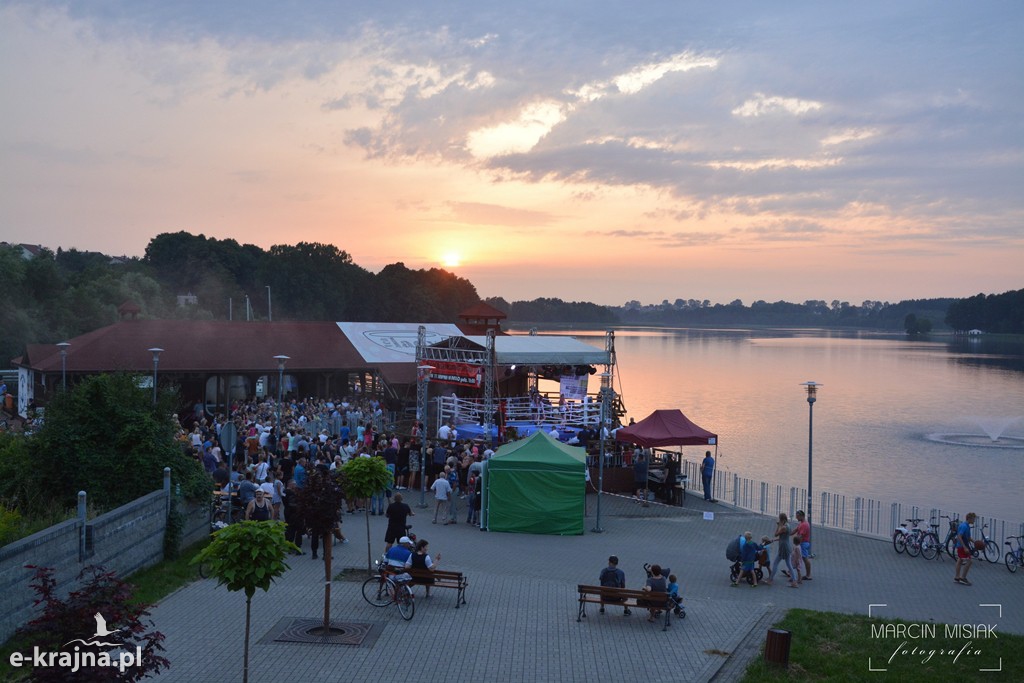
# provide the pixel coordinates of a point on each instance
(812, 394)
(281, 360)
(156, 366)
(605, 396)
(270, 311)
(64, 365)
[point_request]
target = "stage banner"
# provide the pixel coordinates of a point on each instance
(463, 374)
(573, 387)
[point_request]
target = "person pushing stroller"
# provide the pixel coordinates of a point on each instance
(749, 552)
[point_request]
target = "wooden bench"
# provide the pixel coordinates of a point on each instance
(623, 597)
(442, 579)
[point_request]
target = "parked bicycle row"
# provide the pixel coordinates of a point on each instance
(915, 539)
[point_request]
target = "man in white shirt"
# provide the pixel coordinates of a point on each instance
(444, 433)
(442, 492)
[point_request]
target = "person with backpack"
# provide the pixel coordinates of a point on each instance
(613, 577)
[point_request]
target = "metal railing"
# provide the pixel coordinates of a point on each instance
(857, 514)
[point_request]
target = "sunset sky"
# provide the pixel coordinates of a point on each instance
(581, 150)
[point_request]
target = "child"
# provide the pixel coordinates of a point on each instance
(673, 595)
(748, 556)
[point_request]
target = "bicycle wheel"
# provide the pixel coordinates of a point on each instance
(406, 602)
(930, 547)
(378, 591)
(899, 541)
(914, 546)
(991, 552)
(951, 546)
(1011, 562)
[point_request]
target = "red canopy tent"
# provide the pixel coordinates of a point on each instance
(666, 428)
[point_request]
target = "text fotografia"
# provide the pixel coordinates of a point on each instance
(910, 636)
(77, 659)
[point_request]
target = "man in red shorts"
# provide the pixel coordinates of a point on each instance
(963, 549)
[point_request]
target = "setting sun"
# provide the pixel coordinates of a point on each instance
(451, 259)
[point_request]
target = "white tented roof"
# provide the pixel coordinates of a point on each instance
(542, 350)
(393, 342)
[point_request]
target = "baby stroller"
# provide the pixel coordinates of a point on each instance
(732, 553)
(675, 603)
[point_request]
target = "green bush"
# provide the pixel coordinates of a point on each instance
(10, 524)
(106, 437)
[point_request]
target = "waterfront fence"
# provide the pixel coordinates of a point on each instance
(856, 514)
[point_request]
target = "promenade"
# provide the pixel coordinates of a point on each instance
(520, 620)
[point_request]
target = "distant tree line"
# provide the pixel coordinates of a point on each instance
(55, 296)
(1000, 313)
(812, 313)
(555, 311)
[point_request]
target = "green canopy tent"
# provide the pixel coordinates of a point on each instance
(535, 486)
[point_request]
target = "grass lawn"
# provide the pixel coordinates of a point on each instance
(827, 646)
(160, 580)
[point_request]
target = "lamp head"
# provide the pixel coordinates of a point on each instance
(812, 390)
(281, 360)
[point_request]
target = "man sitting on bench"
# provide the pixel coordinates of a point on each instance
(613, 577)
(398, 555)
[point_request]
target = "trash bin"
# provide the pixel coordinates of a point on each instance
(776, 647)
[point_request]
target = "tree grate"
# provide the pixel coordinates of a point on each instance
(293, 630)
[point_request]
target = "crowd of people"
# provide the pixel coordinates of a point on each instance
(263, 471)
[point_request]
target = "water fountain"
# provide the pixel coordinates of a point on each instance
(994, 437)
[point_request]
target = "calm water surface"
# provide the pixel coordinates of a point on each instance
(881, 396)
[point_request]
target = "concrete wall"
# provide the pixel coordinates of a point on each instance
(131, 537)
(197, 523)
(124, 540)
(55, 547)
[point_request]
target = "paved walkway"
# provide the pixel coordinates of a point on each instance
(520, 620)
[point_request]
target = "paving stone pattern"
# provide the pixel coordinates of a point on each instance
(519, 623)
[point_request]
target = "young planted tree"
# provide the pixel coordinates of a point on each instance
(244, 557)
(363, 478)
(320, 504)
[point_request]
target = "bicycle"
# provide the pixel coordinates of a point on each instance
(1014, 558)
(908, 540)
(389, 588)
(949, 543)
(224, 511)
(990, 551)
(931, 548)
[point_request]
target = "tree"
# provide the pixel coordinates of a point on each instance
(363, 478)
(319, 501)
(244, 557)
(65, 621)
(916, 326)
(106, 437)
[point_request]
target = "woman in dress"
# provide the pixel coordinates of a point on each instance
(783, 551)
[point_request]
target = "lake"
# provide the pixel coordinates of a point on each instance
(881, 397)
